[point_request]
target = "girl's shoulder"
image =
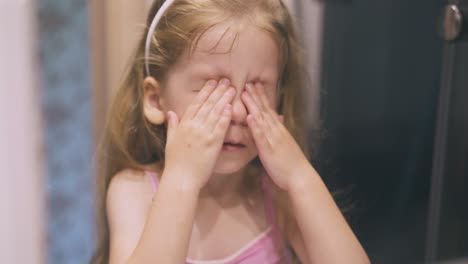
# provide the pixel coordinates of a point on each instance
(135, 182)
(128, 200)
(130, 186)
(128, 179)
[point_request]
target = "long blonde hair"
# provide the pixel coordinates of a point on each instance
(130, 141)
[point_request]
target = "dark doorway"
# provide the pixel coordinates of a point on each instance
(381, 79)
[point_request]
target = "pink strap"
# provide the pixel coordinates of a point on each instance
(271, 216)
(154, 179)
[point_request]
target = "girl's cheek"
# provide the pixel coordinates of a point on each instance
(180, 104)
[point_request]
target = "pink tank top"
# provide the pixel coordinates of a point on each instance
(260, 250)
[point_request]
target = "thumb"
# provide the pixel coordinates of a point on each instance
(172, 123)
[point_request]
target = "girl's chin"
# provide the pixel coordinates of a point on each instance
(230, 165)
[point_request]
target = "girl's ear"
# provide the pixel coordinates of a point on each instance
(152, 101)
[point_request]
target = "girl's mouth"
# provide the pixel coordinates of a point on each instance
(229, 146)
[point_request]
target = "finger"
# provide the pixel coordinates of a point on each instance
(224, 121)
(260, 92)
(270, 116)
(251, 90)
(172, 123)
(200, 99)
(208, 105)
(258, 134)
(271, 121)
(251, 105)
(254, 110)
(218, 109)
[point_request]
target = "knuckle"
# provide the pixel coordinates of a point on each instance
(204, 93)
(211, 120)
(197, 130)
(210, 102)
(223, 122)
(211, 138)
(219, 112)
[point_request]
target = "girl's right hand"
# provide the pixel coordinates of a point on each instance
(194, 142)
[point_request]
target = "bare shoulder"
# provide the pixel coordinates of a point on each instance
(128, 186)
(128, 201)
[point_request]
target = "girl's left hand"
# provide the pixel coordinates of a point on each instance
(279, 153)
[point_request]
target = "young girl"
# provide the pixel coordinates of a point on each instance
(203, 160)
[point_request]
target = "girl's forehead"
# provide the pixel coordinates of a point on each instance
(227, 48)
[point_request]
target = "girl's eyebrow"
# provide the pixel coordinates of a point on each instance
(212, 66)
(203, 70)
(210, 71)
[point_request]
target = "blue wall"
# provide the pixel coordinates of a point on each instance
(64, 49)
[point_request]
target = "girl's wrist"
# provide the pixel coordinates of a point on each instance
(181, 180)
(302, 180)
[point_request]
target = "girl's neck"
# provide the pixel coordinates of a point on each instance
(224, 188)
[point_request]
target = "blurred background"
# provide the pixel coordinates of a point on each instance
(388, 83)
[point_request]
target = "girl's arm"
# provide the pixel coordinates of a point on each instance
(324, 233)
(190, 155)
(164, 238)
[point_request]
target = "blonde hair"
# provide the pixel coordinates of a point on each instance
(130, 141)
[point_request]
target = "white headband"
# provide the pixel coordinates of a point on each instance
(151, 30)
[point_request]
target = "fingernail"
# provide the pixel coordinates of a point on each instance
(212, 83)
(249, 86)
(225, 82)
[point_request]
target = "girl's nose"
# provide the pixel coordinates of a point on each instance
(239, 112)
